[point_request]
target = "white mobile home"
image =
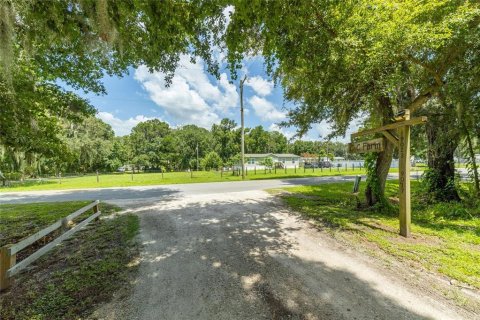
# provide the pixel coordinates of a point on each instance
(284, 160)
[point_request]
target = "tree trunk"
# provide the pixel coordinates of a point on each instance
(382, 166)
(384, 159)
(443, 138)
(473, 161)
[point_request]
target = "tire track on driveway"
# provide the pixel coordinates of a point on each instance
(241, 255)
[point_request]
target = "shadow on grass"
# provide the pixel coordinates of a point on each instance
(83, 271)
(28, 183)
(456, 228)
(335, 205)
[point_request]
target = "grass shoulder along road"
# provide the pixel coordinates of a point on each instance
(445, 236)
(84, 271)
(148, 179)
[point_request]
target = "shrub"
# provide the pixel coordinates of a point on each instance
(212, 161)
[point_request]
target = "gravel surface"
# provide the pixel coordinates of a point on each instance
(241, 255)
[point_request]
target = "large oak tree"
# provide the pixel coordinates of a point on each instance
(339, 59)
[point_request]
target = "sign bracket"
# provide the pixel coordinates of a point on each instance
(391, 137)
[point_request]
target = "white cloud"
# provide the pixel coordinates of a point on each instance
(119, 126)
(321, 130)
(265, 109)
(229, 10)
(287, 133)
(192, 97)
(261, 86)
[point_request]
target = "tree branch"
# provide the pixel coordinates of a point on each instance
(422, 98)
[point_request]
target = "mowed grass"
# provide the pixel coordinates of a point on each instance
(146, 179)
(84, 271)
(18, 221)
(445, 236)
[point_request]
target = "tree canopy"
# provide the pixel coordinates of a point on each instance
(336, 61)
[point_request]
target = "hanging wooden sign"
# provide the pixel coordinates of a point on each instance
(374, 145)
(401, 140)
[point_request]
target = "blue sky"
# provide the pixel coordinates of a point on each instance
(195, 97)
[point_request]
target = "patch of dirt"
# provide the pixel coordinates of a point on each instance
(278, 310)
(460, 296)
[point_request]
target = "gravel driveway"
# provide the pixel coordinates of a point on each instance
(241, 255)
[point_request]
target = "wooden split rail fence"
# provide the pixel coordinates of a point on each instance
(8, 253)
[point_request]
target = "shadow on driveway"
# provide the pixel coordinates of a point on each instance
(235, 259)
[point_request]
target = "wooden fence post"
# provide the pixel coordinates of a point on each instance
(65, 223)
(6, 262)
(96, 208)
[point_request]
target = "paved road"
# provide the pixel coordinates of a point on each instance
(162, 191)
(155, 192)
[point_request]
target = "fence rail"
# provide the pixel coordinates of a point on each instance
(8, 265)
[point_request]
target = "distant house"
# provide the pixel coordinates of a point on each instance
(309, 158)
(286, 160)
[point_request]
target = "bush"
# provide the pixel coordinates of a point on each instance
(211, 161)
(433, 183)
(452, 211)
(14, 176)
(30, 171)
(267, 162)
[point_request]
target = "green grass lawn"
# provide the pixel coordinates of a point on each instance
(145, 179)
(446, 236)
(84, 271)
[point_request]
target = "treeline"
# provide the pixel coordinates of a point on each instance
(335, 60)
(91, 145)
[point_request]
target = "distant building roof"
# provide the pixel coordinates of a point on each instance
(276, 155)
(309, 155)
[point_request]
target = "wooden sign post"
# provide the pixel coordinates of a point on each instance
(402, 142)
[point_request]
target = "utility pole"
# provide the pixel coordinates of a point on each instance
(197, 156)
(243, 126)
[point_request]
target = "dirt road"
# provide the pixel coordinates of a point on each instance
(241, 255)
